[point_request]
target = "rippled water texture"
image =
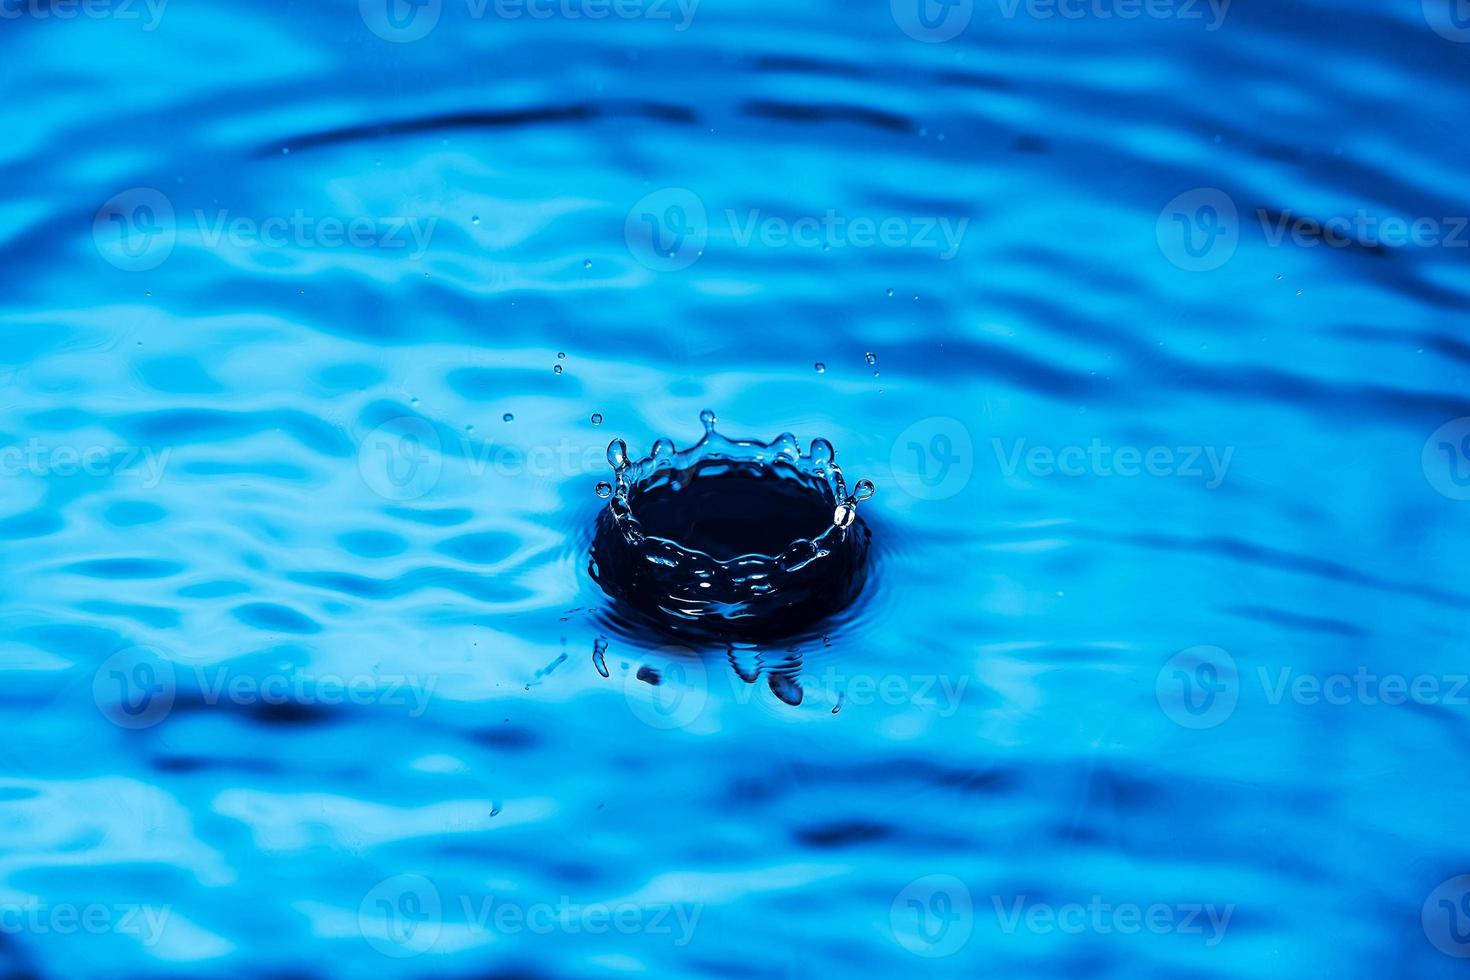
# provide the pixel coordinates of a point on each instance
(1147, 323)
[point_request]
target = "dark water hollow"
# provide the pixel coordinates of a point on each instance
(731, 509)
(725, 549)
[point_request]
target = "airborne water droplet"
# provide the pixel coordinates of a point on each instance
(821, 368)
(599, 655)
(556, 369)
(604, 489)
(507, 417)
(596, 418)
(890, 293)
(561, 355)
(863, 490)
(474, 219)
(587, 264)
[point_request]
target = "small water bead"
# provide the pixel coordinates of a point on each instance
(604, 489)
(561, 355)
(596, 418)
(599, 655)
(507, 417)
(863, 490)
(707, 419)
(872, 358)
(556, 369)
(587, 263)
(617, 454)
(890, 294)
(474, 219)
(821, 368)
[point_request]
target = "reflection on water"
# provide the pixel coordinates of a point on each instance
(318, 321)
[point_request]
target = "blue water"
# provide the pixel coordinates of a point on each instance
(303, 672)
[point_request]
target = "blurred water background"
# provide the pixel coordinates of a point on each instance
(1146, 320)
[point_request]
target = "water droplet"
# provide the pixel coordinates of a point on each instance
(604, 489)
(507, 417)
(1278, 277)
(1298, 292)
(599, 655)
(821, 368)
(494, 808)
(556, 369)
(586, 263)
(841, 697)
(707, 418)
(890, 293)
(863, 490)
(474, 219)
(596, 418)
(871, 358)
(617, 454)
(561, 355)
